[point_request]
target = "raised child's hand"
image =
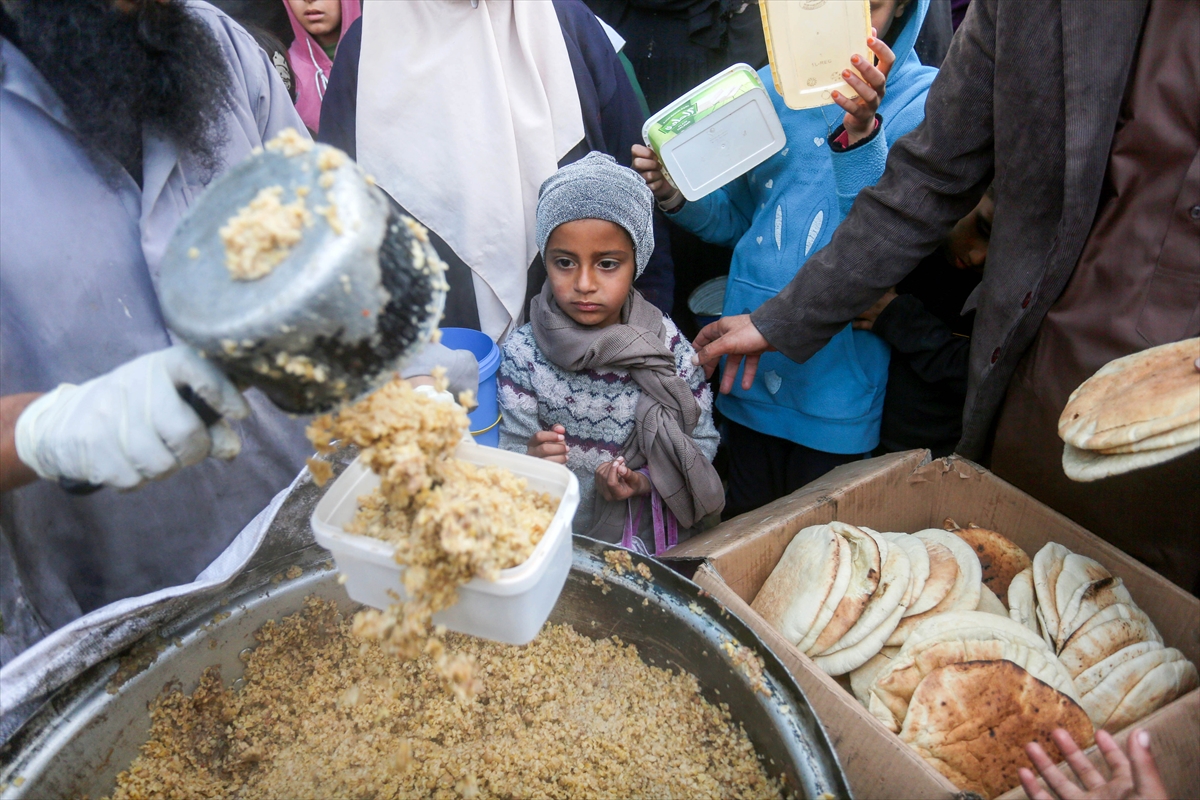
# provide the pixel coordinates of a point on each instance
(645, 162)
(860, 112)
(1134, 777)
(550, 445)
(616, 482)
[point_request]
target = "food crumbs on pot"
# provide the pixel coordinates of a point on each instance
(261, 234)
(644, 570)
(277, 578)
(562, 717)
(646, 601)
(750, 664)
(330, 158)
(629, 609)
(290, 143)
(18, 781)
(293, 572)
(341, 579)
(321, 471)
(695, 608)
(619, 560)
(326, 180)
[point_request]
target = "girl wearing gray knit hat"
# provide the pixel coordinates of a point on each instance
(599, 379)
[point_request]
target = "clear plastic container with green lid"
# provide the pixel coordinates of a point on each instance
(720, 130)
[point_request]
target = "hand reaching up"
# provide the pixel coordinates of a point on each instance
(860, 111)
(1134, 777)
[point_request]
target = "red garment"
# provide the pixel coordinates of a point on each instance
(311, 66)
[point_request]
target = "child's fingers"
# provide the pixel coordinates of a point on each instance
(1031, 786)
(869, 73)
(641, 151)
(1060, 783)
(1088, 775)
(557, 459)
(559, 429)
(884, 53)
(851, 106)
(866, 93)
(1146, 780)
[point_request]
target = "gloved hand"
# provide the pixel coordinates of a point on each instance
(130, 425)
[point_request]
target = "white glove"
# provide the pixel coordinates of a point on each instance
(130, 425)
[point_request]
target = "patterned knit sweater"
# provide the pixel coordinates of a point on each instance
(596, 408)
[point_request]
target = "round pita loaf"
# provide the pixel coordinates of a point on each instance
(972, 720)
(825, 613)
(1077, 570)
(1047, 565)
(1181, 435)
(1106, 695)
(1084, 466)
(1116, 611)
(1135, 397)
(1160, 686)
(1091, 677)
(1020, 600)
(895, 584)
(943, 572)
(1102, 641)
(792, 595)
(963, 595)
(852, 658)
(999, 557)
(865, 564)
(918, 562)
(1043, 628)
(1088, 601)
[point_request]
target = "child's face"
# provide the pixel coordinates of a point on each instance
(883, 13)
(590, 266)
(321, 18)
(967, 245)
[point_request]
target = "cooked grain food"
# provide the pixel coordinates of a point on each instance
(262, 233)
(322, 715)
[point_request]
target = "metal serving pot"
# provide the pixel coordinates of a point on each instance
(92, 729)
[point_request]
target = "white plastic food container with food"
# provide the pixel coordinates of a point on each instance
(718, 131)
(510, 609)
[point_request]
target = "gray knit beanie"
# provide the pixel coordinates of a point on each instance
(597, 187)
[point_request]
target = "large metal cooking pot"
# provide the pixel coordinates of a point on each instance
(88, 733)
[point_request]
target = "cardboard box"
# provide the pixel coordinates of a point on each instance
(908, 492)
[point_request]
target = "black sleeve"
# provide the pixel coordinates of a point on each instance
(340, 104)
(933, 351)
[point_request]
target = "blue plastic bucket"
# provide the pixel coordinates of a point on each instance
(485, 419)
(708, 300)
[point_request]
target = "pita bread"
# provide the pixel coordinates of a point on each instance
(1102, 641)
(1116, 611)
(1047, 564)
(1090, 677)
(862, 678)
(865, 561)
(1181, 435)
(991, 604)
(1135, 397)
(1043, 628)
(895, 584)
(943, 572)
(999, 557)
(852, 658)
(963, 595)
(1160, 686)
(1076, 571)
(793, 593)
(1088, 601)
(918, 562)
(1020, 599)
(841, 581)
(971, 722)
(1084, 466)
(1106, 695)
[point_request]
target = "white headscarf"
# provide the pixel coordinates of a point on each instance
(462, 113)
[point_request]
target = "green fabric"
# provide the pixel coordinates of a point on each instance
(637, 88)
(330, 50)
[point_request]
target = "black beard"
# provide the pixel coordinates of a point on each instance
(116, 73)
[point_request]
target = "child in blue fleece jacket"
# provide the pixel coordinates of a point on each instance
(797, 421)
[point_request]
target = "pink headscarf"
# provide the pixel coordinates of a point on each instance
(311, 66)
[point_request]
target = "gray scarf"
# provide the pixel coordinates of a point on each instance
(667, 411)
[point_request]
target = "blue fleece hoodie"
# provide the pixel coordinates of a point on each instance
(775, 217)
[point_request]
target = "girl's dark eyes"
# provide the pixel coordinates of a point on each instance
(563, 263)
(610, 264)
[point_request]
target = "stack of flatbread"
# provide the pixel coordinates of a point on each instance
(1136, 411)
(843, 593)
(1108, 645)
(920, 624)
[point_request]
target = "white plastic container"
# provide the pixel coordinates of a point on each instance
(720, 130)
(809, 43)
(511, 609)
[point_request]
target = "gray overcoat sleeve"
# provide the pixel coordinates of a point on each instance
(935, 175)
